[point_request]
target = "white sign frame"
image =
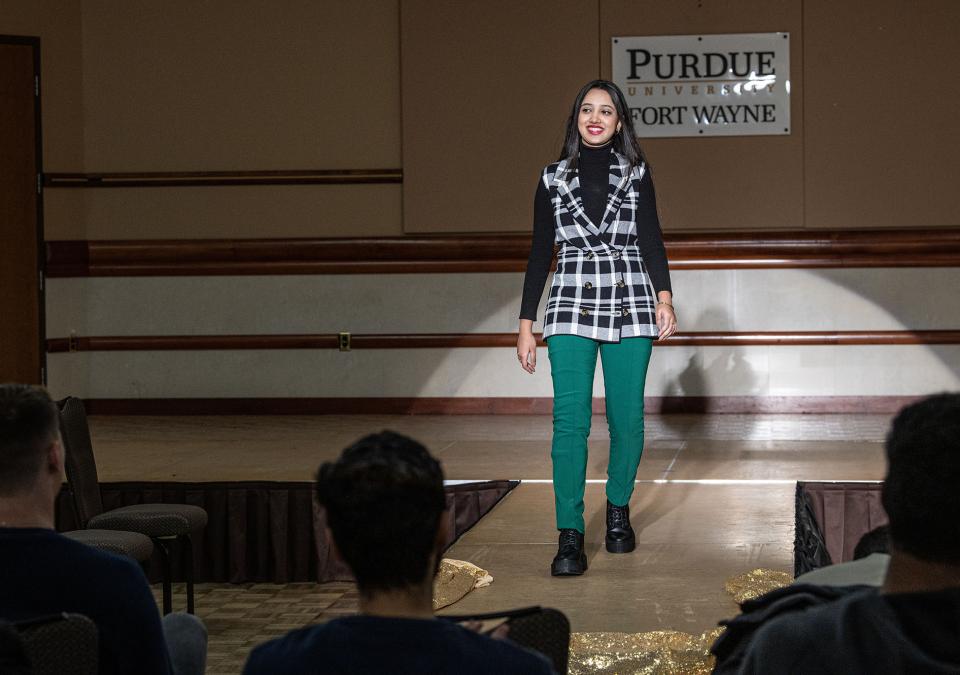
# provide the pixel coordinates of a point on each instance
(705, 85)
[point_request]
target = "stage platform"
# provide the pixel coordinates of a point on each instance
(715, 495)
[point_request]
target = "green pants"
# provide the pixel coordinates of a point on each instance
(573, 360)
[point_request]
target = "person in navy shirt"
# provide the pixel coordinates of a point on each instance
(385, 509)
(44, 573)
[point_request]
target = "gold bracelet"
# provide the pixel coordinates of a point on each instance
(665, 303)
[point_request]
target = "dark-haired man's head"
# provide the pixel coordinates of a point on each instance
(384, 501)
(29, 427)
(921, 492)
(31, 456)
(876, 540)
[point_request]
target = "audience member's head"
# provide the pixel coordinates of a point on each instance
(921, 493)
(29, 430)
(876, 540)
(384, 500)
(385, 506)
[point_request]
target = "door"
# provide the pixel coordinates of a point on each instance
(22, 354)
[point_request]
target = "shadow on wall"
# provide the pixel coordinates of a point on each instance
(731, 368)
(699, 377)
(728, 373)
(947, 355)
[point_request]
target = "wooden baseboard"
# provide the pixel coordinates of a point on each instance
(421, 254)
(489, 405)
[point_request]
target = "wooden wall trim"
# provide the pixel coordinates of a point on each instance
(483, 340)
(490, 253)
(209, 178)
(489, 405)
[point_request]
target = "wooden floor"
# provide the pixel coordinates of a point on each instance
(714, 496)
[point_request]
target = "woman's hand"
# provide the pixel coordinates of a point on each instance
(527, 347)
(666, 318)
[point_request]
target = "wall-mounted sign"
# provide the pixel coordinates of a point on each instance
(705, 85)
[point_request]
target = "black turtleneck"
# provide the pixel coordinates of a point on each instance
(593, 168)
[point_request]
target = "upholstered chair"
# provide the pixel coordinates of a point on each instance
(164, 524)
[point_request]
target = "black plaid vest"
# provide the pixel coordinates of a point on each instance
(600, 289)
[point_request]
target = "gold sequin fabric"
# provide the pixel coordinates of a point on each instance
(663, 651)
(755, 583)
(455, 579)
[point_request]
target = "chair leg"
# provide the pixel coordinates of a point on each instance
(167, 576)
(187, 543)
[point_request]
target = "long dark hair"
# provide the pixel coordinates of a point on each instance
(624, 141)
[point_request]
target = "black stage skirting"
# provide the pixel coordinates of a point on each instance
(830, 519)
(263, 531)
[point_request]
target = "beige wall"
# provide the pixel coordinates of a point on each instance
(899, 370)
(482, 86)
(880, 109)
(708, 300)
(226, 85)
(469, 99)
(243, 212)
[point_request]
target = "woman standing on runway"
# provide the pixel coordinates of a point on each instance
(611, 293)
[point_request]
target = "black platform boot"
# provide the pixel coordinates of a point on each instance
(620, 537)
(570, 560)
